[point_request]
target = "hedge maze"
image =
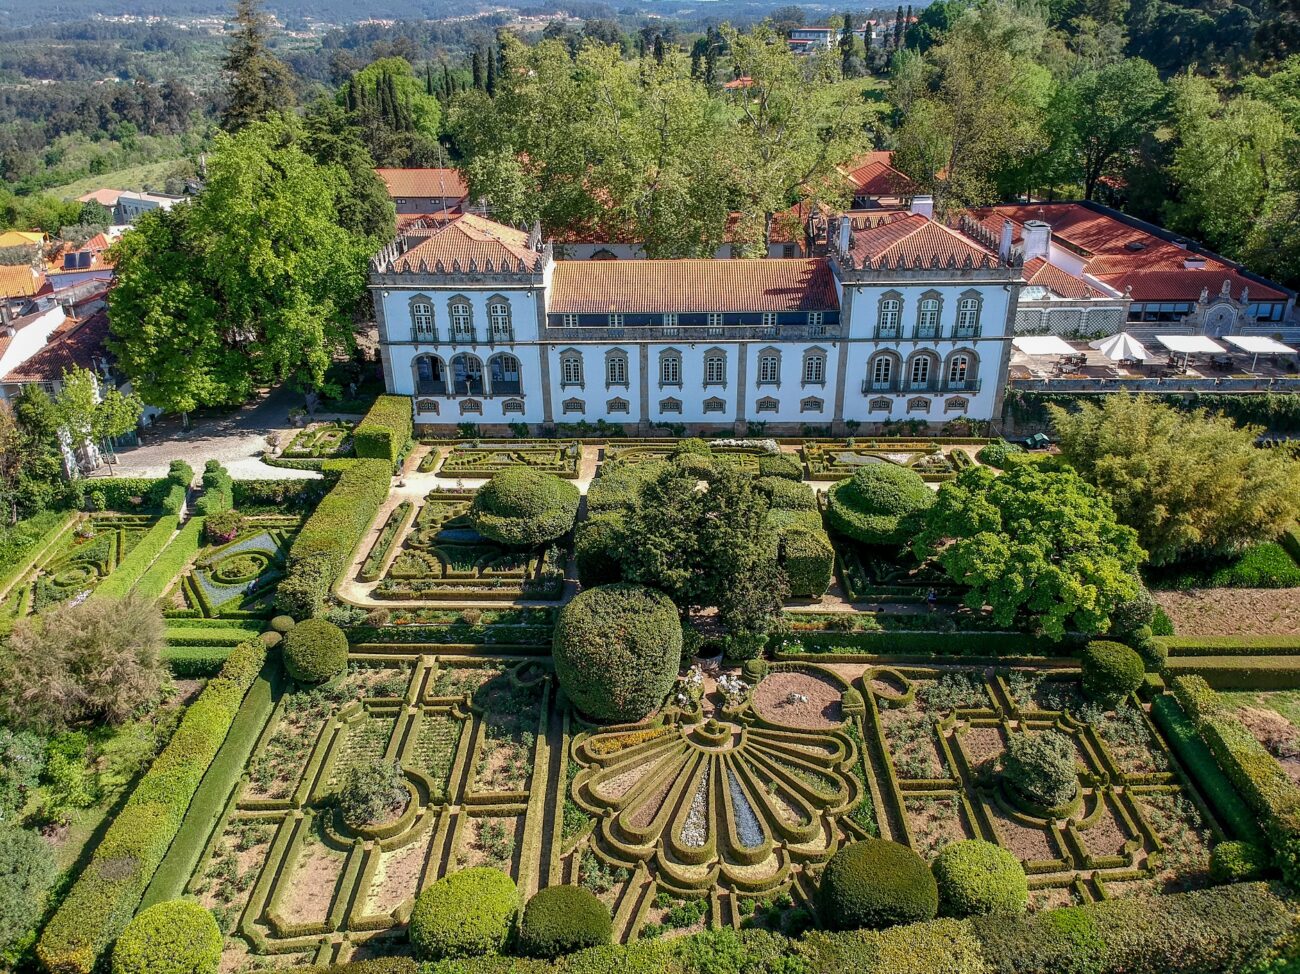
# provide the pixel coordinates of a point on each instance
(928, 457)
(236, 579)
(321, 441)
(562, 458)
(443, 557)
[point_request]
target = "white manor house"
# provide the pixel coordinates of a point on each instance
(904, 320)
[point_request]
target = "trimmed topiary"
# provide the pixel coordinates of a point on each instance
(315, 651)
(175, 937)
(997, 454)
(1111, 671)
(1132, 614)
(1237, 862)
(617, 650)
(785, 465)
(524, 508)
(597, 549)
(787, 495)
(271, 638)
(977, 877)
(465, 914)
(872, 504)
(282, 624)
(372, 794)
(562, 919)
(1040, 769)
(1152, 651)
(875, 883)
(808, 560)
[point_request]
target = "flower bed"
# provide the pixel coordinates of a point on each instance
(563, 458)
(929, 458)
(320, 441)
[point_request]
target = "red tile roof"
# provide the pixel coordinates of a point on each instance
(874, 175)
(104, 197)
(691, 286)
(913, 238)
(469, 237)
(1042, 274)
(424, 183)
(743, 82)
(20, 281)
(71, 345)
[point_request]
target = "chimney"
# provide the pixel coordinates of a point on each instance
(1194, 262)
(1038, 239)
(923, 205)
(846, 234)
(1004, 245)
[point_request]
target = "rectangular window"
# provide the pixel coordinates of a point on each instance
(887, 323)
(715, 370)
(769, 370)
(571, 370)
(670, 406)
(570, 321)
(499, 316)
(670, 321)
(769, 319)
(616, 367)
(968, 317)
(814, 370)
(815, 319)
(616, 321)
(670, 370)
(462, 324)
(715, 320)
(422, 316)
(927, 319)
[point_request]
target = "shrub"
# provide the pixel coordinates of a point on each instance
(315, 651)
(372, 793)
(175, 937)
(1237, 862)
(977, 877)
(106, 893)
(1111, 671)
(218, 490)
(385, 430)
(787, 495)
(1132, 614)
(562, 919)
(809, 560)
(282, 624)
(525, 508)
(995, 454)
(619, 485)
(271, 638)
(598, 547)
(780, 465)
(223, 526)
(180, 472)
(1152, 651)
(876, 883)
(465, 914)
(871, 505)
(617, 650)
(692, 446)
(27, 870)
(1040, 768)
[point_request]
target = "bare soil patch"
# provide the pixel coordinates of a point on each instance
(312, 885)
(1233, 611)
(799, 699)
(1277, 734)
(398, 874)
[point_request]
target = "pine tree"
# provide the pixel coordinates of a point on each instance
(476, 69)
(258, 83)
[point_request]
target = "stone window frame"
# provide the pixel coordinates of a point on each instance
(918, 404)
(895, 330)
(572, 357)
(573, 405)
(451, 374)
(976, 296)
(956, 404)
(715, 405)
(879, 403)
(816, 353)
(502, 356)
(612, 356)
(937, 330)
(507, 334)
(812, 404)
(426, 406)
(769, 354)
(618, 405)
(715, 357)
(670, 405)
(471, 406)
(667, 355)
(768, 405)
(455, 331)
(895, 370)
(512, 406)
(429, 334)
(932, 366)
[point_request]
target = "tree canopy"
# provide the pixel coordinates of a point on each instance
(1035, 547)
(1190, 484)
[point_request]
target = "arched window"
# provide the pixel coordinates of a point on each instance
(888, 313)
(499, 319)
(571, 368)
(616, 367)
(769, 367)
(927, 315)
(604, 254)
(882, 372)
(958, 366)
(504, 373)
(715, 367)
(422, 319)
(968, 314)
(462, 319)
(670, 369)
(919, 373)
(430, 379)
(466, 375)
(814, 367)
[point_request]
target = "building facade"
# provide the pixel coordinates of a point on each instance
(908, 320)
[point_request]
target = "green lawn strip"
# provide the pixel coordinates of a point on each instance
(1240, 672)
(172, 561)
(225, 636)
(214, 792)
(133, 567)
(1199, 763)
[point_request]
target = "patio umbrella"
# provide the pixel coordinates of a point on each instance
(1120, 346)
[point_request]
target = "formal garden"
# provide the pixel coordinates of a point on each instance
(740, 705)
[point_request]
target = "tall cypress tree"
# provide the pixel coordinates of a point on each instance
(907, 22)
(476, 69)
(846, 44)
(447, 89)
(659, 48)
(258, 83)
(898, 28)
(491, 74)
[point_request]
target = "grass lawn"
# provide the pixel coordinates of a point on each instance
(1284, 702)
(132, 177)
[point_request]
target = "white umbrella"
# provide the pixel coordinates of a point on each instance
(1258, 345)
(1121, 346)
(1043, 345)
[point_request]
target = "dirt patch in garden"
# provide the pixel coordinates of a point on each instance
(1105, 837)
(934, 823)
(311, 887)
(981, 745)
(798, 699)
(186, 691)
(398, 875)
(1233, 611)
(1023, 842)
(1051, 898)
(1277, 734)
(490, 842)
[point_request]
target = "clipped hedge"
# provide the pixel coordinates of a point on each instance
(315, 651)
(561, 919)
(787, 495)
(785, 465)
(464, 914)
(977, 878)
(218, 490)
(830, 646)
(617, 649)
(809, 561)
(876, 883)
(524, 508)
(102, 900)
(385, 430)
(871, 505)
(1111, 671)
(1230, 645)
(131, 570)
(324, 546)
(1253, 771)
(183, 547)
(597, 547)
(175, 937)
(1247, 672)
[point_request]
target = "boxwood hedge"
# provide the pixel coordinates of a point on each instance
(561, 919)
(870, 506)
(977, 877)
(876, 883)
(385, 430)
(524, 508)
(465, 914)
(105, 895)
(174, 937)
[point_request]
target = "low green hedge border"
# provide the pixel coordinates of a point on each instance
(1230, 645)
(106, 894)
(982, 644)
(195, 662)
(184, 546)
(1240, 672)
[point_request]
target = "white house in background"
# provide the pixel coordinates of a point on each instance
(806, 40)
(23, 338)
(904, 319)
(127, 205)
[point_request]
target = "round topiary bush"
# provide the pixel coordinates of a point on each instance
(315, 651)
(1040, 769)
(524, 508)
(271, 638)
(597, 549)
(372, 794)
(977, 877)
(617, 650)
(1111, 671)
(997, 453)
(875, 883)
(282, 624)
(562, 919)
(1153, 652)
(465, 914)
(1237, 862)
(175, 937)
(871, 505)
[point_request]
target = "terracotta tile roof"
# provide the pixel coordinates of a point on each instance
(22, 238)
(20, 280)
(407, 221)
(469, 237)
(742, 82)
(911, 238)
(104, 197)
(406, 183)
(1042, 274)
(687, 286)
(874, 175)
(72, 345)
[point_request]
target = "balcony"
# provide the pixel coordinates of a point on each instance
(506, 387)
(967, 331)
(709, 333)
(430, 387)
(870, 388)
(965, 385)
(468, 386)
